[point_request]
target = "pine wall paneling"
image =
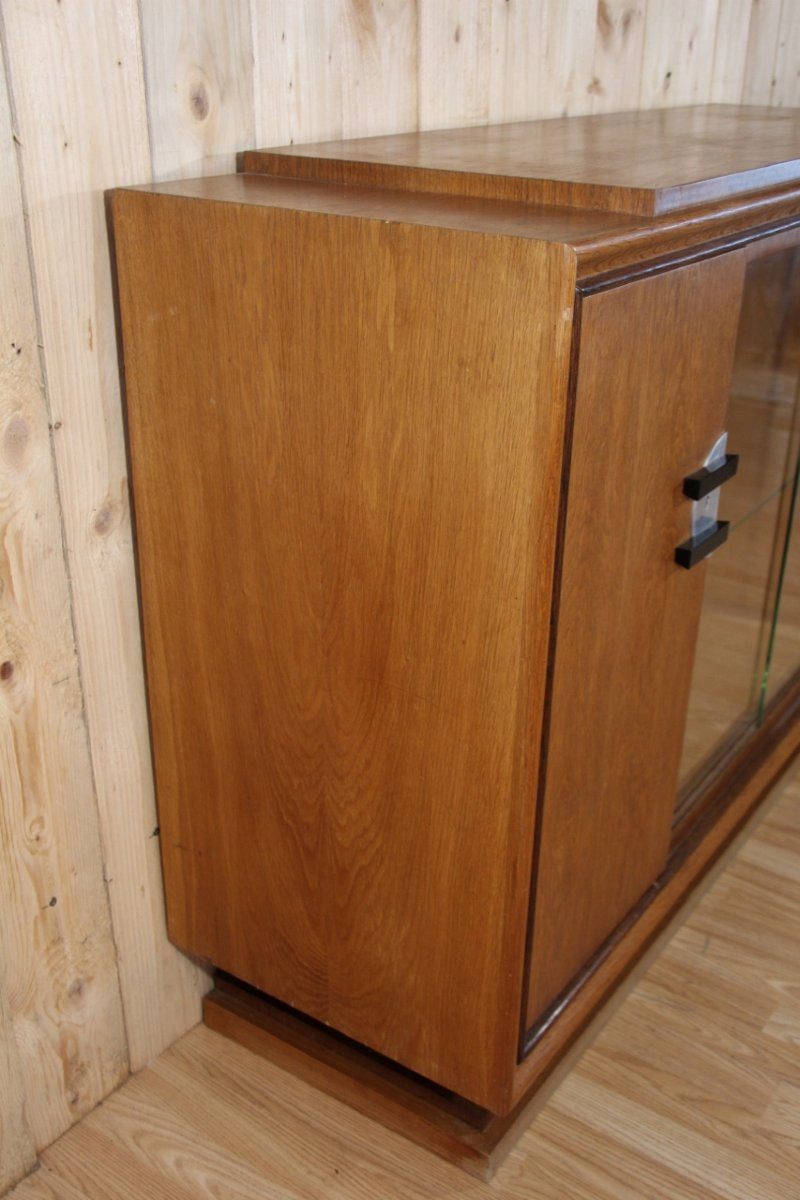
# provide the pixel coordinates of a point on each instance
(617, 55)
(82, 127)
(541, 59)
(333, 68)
(677, 53)
(62, 1042)
(730, 51)
(785, 84)
(102, 94)
(764, 26)
(17, 1150)
(454, 43)
(198, 59)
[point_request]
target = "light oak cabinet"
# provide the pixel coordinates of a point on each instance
(439, 733)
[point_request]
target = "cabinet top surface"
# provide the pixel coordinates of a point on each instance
(648, 163)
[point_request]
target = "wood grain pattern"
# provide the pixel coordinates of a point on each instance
(334, 68)
(640, 162)
(198, 57)
(352, 709)
(601, 241)
(566, 225)
(62, 1045)
(677, 53)
(753, 216)
(617, 61)
(759, 81)
(442, 1122)
(476, 1141)
(786, 83)
(454, 44)
(627, 616)
(730, 51)
(655, 851)
(541, 59)
(705, 1110)
(17, 1151)
(45, 1184)
(696, 856)
(97, 97)
(82, 126)
(468, 1136)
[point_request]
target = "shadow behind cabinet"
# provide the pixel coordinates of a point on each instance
(409, 424)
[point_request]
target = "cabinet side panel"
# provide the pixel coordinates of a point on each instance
(346, 440)
(653, 376)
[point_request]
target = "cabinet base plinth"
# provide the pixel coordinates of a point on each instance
(440, 1121)
(464, 1134)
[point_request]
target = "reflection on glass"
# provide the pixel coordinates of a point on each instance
(783, 652)
(749, 638)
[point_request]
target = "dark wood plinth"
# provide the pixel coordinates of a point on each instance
(471, 1137)
(461, 1132)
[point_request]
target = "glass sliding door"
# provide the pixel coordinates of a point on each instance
(749, 639)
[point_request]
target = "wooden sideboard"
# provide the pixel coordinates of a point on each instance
(443, 732)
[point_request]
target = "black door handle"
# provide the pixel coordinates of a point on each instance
(693, 551)
(700, 483)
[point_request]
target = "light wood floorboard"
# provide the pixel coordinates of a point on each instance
(691, 1091)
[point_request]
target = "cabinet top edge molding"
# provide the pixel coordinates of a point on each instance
(648, 163)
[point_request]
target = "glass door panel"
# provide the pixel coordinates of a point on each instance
(749, 638)
(783, 653)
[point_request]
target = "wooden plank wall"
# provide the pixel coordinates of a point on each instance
(94, 94)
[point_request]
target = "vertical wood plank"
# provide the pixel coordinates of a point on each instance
(17, 1152)
(617, 62)
(541, 58)
(453, 66)
(62, 1041)
(198, 58)
(730, 51)
(678, 53)
(76, 76)
(334, 68)
(762, 45)
(786, 73)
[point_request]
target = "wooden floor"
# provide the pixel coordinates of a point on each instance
(692, 1089)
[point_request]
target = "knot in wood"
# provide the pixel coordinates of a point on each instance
(199, 101)
(16, 438)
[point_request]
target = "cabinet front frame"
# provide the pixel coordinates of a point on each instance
(728, 795)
